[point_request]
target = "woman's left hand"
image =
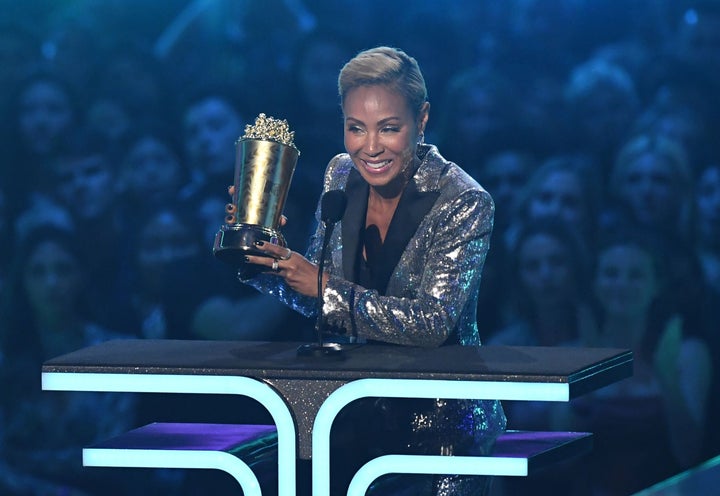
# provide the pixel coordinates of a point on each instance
(300, 274)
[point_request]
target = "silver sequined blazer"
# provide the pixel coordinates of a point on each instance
(442, 228)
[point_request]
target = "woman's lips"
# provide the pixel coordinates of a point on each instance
(377, 166)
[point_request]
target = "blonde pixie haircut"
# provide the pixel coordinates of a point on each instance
(385, 66)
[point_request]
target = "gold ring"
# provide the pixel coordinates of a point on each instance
(287, 257)
(275, 266)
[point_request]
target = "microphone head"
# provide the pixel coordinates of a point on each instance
(332, 206)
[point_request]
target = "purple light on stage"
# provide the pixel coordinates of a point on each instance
(190, 436)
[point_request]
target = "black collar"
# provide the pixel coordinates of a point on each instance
(412, 208)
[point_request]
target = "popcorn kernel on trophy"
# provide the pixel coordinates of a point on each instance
(264, 165)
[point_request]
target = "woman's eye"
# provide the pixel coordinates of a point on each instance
(391, 129)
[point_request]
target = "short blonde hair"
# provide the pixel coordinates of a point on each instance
(386, 66)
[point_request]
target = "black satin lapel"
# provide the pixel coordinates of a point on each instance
(411, 210)
(353, 221)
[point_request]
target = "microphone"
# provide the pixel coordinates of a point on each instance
(332, 208)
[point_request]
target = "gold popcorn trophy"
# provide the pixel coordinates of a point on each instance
(264, 165)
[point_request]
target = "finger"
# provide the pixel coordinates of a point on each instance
(272, 264)
(270, 249)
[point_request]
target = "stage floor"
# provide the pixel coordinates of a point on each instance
(697, 480)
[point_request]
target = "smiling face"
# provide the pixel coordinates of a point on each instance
(381, 133)
(559, 195)
(211, 128)
(45, 114)
(86, 185)
(544, 270)
(625, 282)
(51, 279)
(650, 189)
(152, 170)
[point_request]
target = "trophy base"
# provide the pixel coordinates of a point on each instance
(234, 242)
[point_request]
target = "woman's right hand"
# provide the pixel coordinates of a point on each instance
(299, 273)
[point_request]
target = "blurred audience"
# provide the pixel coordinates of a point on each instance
(653, 425)
(47, 311)
(582, 120)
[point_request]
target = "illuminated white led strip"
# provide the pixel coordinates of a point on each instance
(190, 384)
(427, 464)
(143, 458)
(414, 388)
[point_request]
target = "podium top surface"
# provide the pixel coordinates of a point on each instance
(279, 360)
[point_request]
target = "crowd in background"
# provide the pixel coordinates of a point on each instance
(592, 124)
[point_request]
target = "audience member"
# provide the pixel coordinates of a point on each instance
(168, 275)
(562, 187)
(548, 272)
(602, 104)
(503, 174)
(212, 126)
(46, 312)
(45, 113)
(477, 117)
(86, 185)
(651, 426)
(677, 117)
(151, 174)
(651, 188)
(317, 59)
(547, 304)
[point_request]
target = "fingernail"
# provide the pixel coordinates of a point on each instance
(259, 243)
(246, 258)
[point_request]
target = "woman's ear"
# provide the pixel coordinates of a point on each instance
(424, 114)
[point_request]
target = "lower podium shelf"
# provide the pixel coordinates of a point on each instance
(247, 452)
(516, 453)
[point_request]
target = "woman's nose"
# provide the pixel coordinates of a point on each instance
(372, 145)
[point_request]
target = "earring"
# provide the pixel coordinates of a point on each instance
(421, 138)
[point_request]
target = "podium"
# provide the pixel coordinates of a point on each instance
(303, 395)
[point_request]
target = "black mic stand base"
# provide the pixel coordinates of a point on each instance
(324, 350)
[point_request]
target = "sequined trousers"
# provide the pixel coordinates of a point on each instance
(373, 427)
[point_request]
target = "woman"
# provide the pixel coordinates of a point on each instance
(651, 188)
(43, 116)
(650, 426)
(405, 263)
(46, 312)
(547, 272)
(563, 187)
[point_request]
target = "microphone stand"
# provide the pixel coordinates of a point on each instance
(332, 207)
(321, 349)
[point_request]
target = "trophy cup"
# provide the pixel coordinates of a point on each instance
(264, 165)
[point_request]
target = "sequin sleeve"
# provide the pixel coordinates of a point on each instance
(276, 286)
(432, 293)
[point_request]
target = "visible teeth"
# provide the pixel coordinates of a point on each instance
(378, 165)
